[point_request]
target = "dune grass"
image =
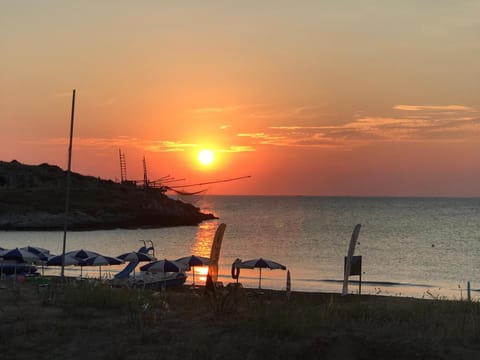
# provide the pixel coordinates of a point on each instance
(94, 320)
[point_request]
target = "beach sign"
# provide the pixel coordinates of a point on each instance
(215, 252)
(348, 264)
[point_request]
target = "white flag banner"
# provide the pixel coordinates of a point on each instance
(348, 265)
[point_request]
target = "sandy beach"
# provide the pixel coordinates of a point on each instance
(91, 320)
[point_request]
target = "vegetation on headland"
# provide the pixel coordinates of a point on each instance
(93, 320)
(33, 198)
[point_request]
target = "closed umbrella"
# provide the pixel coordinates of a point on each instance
(261, 264)
(99, 260)
(193, 261)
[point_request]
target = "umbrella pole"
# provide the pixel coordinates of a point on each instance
(193, 270)
(100, 271)
(260, 279)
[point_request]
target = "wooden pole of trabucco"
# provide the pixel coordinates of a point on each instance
(469, 295)
(67, 195)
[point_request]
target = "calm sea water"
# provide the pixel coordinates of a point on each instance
(410, 246)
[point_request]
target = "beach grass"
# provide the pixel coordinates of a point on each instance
(94, 320)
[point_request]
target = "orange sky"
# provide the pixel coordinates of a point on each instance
(347, 98)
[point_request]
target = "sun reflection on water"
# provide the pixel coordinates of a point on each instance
(204, 238)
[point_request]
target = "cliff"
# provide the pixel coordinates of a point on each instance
(33, 198)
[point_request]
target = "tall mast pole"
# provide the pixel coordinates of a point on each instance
(67, 196)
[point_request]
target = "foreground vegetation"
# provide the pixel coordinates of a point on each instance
(96, 321)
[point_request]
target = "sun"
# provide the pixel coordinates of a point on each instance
(206, 157)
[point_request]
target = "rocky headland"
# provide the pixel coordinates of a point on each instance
(32, 197)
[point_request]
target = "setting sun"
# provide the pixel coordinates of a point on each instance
(206, 157)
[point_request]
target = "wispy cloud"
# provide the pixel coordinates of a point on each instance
(433, 107)
(216, 109)
(236, 149)
(430, 123)
(166, 146)
(296, 112)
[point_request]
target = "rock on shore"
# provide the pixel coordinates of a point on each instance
(33, 198)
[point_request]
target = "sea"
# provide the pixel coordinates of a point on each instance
(412, 247)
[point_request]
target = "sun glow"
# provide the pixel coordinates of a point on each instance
(206, 157)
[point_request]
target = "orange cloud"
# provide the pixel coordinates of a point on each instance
(432, 107)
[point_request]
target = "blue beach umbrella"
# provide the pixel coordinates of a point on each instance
(40, 252)
(193, 261)
(99, 260)
(82, 254)
(164, 266)
(136, 256)
(261, 264)
(19, 255)
(56, 260)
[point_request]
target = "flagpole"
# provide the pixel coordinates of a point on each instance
(67, 195)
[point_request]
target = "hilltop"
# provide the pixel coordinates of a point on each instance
(32, 197)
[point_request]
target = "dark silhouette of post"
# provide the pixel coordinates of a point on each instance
(67, 195)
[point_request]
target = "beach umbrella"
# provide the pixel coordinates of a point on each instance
(135, 256)
(19, 255)
(164, 266)
(40, 252)
(261, 264)
(56, 260)
(99, 260)
(82, 254)
(193, 261)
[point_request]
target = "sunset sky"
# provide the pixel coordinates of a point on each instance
(361, 98)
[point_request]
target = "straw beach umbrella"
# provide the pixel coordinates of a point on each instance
(261, 264)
